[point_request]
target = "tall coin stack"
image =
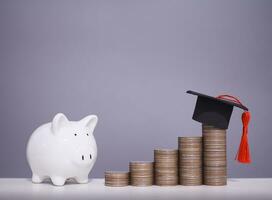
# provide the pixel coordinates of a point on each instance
(215, 155)
(116, 178)
(166, 167)
(190, 160)
(141, 173)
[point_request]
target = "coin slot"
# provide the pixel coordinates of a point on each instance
(82, 157)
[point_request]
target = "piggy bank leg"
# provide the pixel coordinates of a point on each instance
(83, 179)
(36, 178)
(58, 181)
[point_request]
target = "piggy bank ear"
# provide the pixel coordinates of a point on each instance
(90, 121)
(59, 121)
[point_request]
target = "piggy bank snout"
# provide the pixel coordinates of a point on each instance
(84, 157)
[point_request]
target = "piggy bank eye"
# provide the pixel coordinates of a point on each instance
(75, 134)
(87, 134)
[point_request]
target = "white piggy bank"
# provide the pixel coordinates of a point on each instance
(62, 149)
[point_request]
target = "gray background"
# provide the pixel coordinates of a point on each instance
(130, 62)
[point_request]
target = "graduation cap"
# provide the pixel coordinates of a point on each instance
(216, 111)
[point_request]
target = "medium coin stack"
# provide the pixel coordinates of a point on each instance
(141, 173)
(215, 155)
(166, 167)
(116, 178)
(190, 160)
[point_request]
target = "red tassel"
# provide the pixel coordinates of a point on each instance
(243, 154)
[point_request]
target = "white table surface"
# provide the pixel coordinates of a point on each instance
(236, 189)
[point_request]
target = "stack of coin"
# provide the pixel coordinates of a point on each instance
(215, 155)
(166, 167)
(141, 173)
(190, 160)
(116, 178)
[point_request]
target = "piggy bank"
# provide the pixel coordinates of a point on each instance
(62, 149)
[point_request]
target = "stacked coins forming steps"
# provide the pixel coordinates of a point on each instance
(166, 167)
(141, 173)
(215, 155)
(116, 178)
(190, 160)
(198, 160)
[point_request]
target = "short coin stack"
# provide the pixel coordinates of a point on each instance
(166, 167)
(141, 173)
(190, 160)
(215, 155)
(116, 178)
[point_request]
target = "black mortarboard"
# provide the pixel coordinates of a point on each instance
(216, 111)
(213, 111)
